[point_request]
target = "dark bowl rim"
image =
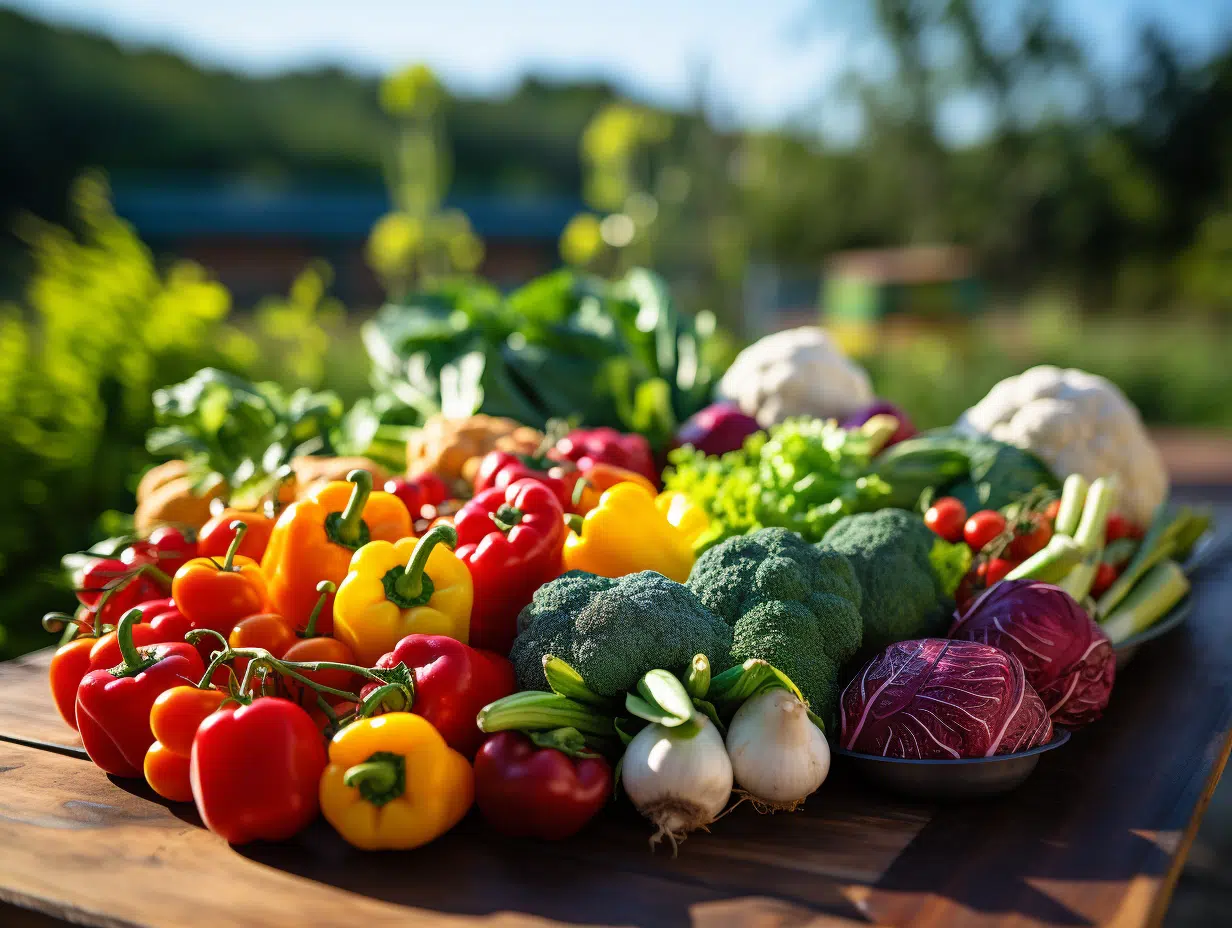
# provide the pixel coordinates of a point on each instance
(1059, 737)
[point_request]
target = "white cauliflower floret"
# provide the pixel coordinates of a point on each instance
(1077, 423)
(797, 372)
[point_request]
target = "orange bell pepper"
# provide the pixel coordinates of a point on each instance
(217, 596)
(315, 538)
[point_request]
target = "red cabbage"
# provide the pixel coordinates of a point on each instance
(1068, 658)
(717, 429)
(935, 699)
(905, 428)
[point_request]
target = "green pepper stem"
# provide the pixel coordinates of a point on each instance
(378, 696)
(574, 522)
(352, 516)
(240, 528)
(379, 779)
(578, 489)
(411, 584)
(325, 588)
(506, 517)
(124, 638)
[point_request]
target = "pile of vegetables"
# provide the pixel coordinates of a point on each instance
(471, 590)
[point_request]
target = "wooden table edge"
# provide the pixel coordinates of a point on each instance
(1163, 897)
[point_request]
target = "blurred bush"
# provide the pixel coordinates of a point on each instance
(1172, 367)
(101, 327)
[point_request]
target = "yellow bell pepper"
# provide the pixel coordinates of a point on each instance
(683, 513)
(393, 783)
(412, 586)
(626, 533)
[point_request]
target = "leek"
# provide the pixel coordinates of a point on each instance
(1162, 587)
(1073, 495)
(1090, 537)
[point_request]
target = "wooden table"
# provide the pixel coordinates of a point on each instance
(1098, 835)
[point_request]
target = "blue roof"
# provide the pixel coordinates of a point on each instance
(171, 212)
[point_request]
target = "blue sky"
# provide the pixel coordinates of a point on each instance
(766, 60)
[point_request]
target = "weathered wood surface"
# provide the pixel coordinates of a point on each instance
(1096, 836)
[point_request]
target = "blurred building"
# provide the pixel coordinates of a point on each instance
(256, 239)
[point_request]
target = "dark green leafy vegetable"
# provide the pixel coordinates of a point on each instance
(566, 345)
(245, 432)
(981, 472)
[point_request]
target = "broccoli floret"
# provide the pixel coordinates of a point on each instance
(612, 631)
(789, 603)
(907, 573)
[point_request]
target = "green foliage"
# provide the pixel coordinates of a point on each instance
(614, 631)
(566, 345)
(102, 327)
(895, 557)
(789, 603)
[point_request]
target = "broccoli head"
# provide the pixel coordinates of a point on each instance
(789, 603)
(612, 631)
(908, 574)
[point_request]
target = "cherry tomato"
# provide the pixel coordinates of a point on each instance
(409, 491)
(1051, 511)
(433, 489)
(946, 517)
(216, 535)
(993, 571)
(1105, 576)
(1120, 527)
(982, 528)
(1033, 539)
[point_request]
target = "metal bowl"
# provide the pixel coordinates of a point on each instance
(951, 779)
(1129, 647)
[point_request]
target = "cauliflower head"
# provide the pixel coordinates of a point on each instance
(797, 372)
(1077, 423)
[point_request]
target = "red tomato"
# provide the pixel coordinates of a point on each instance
(433, 489)
(1026, 543)
(1051, 510)
(946, 517)
(166, 548)
(994, 571)
(1120, 527)
(1105, 576)
(982, 528)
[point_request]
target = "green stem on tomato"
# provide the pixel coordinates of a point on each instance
(240, 528)
(324, 590)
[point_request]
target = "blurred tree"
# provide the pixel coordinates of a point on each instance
(419, 240)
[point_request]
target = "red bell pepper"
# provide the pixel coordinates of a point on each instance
(500, 468)
(527, 791)
(160, 622)
(417, 492)
(511, 541)
(255, 770)
(113, 706)
(588, 447)
(453, 681)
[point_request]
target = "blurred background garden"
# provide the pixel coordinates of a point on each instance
(956, 188)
